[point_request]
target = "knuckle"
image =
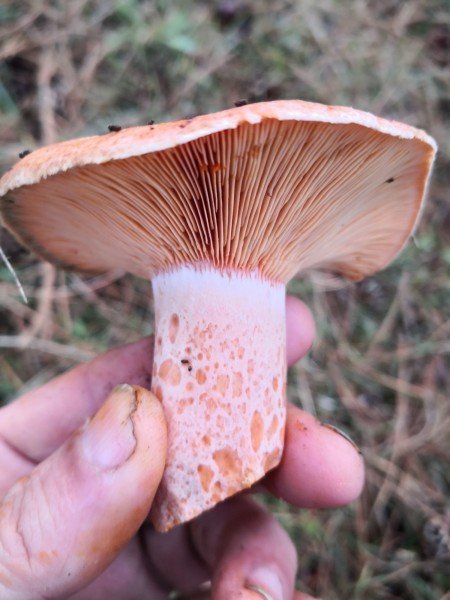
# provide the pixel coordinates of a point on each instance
(24, 514)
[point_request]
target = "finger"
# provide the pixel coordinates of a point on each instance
(175, 560)
(61, 526)
(126, 577)
(300, 329)
(32, 427)
(38, 422)
(246, 549)
(238, 544)
(320, 467)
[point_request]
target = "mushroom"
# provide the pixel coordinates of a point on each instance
(221, 211)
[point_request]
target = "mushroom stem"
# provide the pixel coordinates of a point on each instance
(220, 372)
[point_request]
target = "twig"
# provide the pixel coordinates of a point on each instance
(45, 294)
(14, 275)
(17, 342)
(46, 96)
(385, 329)
(399, 385)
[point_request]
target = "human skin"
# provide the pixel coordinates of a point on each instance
(76, 491)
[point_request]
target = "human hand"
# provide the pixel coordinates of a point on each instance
(74, 523)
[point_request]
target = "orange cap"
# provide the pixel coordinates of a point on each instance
(280, 187)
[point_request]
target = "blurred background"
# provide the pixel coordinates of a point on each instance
(380, 366)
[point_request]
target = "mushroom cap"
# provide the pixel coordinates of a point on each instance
(278, 187)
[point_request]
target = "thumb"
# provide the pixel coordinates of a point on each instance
(62, 526)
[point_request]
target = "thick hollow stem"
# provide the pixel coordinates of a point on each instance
(220, 372)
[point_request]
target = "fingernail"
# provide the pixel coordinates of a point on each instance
(343, 434)
(108, 440)
(265, 582)
(254, 593)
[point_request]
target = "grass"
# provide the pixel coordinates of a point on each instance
(379, 368)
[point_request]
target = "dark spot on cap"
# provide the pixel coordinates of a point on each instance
(189, 368)
(24, 153)
(390, 180)
(185, 361)
(114, 127)
(151, 122)
(241, 102)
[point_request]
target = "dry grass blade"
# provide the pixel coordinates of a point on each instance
(14, 275)
(42, 317)
(62, 351)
